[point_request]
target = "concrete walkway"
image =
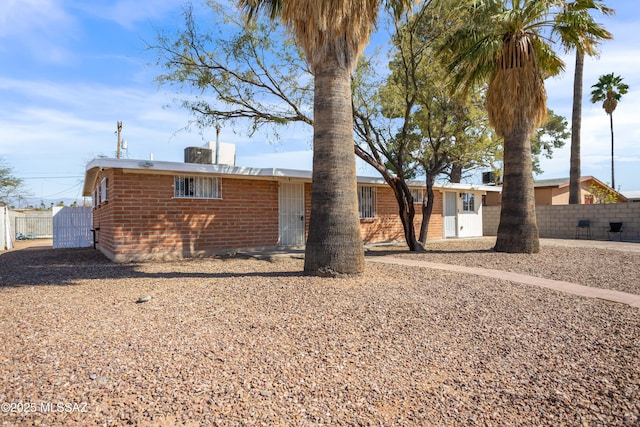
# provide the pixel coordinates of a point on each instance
(598, 244)
(571, 288)
(632, 300)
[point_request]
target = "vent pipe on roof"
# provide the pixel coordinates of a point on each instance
(217, 159)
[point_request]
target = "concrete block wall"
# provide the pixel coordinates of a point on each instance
(559, 221)
(490, 220)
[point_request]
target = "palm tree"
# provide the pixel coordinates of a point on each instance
(579, 31)
(505, 46)
(332, 34)
(609, 89)
(508, 46)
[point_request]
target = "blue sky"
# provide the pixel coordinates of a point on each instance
(70, 69)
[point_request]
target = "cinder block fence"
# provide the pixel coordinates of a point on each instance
(560, 221)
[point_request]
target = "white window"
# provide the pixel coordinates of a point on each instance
(104, 194)
(418, 195)
(196, 187)
(468, 202)
(367, 201)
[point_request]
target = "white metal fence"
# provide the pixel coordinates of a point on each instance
(6, 237)
(72, 227)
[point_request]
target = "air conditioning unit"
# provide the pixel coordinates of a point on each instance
(197, 155)
(226, 155)
(489, 178)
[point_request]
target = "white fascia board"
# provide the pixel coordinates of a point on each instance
(149, 166)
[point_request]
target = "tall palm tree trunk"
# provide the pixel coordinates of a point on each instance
(576, 124)
(518, 230)
(613, 179)
(334, 244)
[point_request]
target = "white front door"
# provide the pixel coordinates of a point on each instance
(450, 214)
(291, 214)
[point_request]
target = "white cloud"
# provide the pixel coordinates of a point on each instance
(42, 27)
(21, 17)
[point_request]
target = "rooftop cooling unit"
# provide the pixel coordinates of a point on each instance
(227, 154)
(488, 178)
(197, 155)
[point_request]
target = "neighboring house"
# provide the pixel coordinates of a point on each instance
(556, 192)
(632, 196)
(155, 209)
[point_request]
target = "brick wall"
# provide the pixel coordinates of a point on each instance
(386, 226)
(142, 219)
(559, 222)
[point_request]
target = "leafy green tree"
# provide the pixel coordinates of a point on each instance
(11, 187)
(376, 145)
(477, 147)
(609, 91)
(410, 124)
(579, 31)
(600, 195)
(446, 125)
(253, 70)
(551, 135)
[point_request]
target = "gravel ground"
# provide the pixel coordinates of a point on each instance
(241, 341)
(599, 268)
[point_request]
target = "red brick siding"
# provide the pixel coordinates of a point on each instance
(142, 218)
(386, 225)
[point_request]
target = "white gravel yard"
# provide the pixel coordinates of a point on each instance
(242, 341)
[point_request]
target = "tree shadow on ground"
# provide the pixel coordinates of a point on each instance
(45, 266)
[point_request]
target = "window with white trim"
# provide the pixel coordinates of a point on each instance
(196, 187)
(468, 202)
(418, 195)
(104, 193)
(367, 201)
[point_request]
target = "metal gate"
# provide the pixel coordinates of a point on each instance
(72, 227)
(32, 227)
(291, 214)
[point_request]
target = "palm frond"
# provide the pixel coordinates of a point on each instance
(578, 29)
(272, 8)
(516, 98)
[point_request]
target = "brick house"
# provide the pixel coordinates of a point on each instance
(155, 209)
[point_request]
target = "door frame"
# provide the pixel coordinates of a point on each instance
(291, 214)
(450, 222)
